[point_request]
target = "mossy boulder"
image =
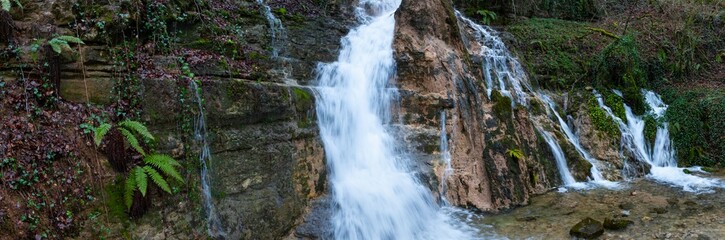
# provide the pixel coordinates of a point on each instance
(587, 228)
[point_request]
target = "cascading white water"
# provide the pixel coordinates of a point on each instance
(375, 193)
(498, 63)
(660, 156)
(214, 225)
(511, 80)
(566, 177)
(277, 32)
(597, 177)
(446, 159)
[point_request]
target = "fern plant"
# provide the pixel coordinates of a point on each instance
(486, 16)
(515, 153)
(61, 42)
(128, 129)
(6, 4)
(152, 168)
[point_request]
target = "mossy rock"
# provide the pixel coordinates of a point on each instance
(587, 228)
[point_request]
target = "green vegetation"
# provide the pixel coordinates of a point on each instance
(502, 106)
(515, 153)
(650, 128)
(152, 166)
(697, 125)
(619, 66)
(601, 120)
(137, 179)
(6, 4)
(486, 16)
(615, 102)
(555, 50)
(61, 42)
(571, 9)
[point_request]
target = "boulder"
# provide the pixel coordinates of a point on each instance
(587, 228)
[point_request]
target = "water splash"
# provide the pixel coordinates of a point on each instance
(501, 70)
(277, 32)
(214, 225)
(661, 155)
(375, 193)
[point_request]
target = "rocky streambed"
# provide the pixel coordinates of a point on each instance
(656, 211)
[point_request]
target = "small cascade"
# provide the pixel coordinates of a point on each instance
(503, 72)
(660, 156)
(597, 177)
(375, 192)
(500, 69)
(446, 159)
(277, 31)
(566, 177)
(214, 225)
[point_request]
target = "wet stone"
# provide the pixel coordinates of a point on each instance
(587, 228)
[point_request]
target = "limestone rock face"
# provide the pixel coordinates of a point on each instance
(435, 74)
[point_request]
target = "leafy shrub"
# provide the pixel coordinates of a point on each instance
(697, 126)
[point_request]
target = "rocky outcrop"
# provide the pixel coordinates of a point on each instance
(267, 159)
(435, 73)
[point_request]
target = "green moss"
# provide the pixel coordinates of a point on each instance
(547, 47)
(601, 120)
(502, 105)
(650, 128)
(616, 103)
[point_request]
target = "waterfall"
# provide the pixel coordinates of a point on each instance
(446, 159)
(500, 69)
(597, 177)
(661, 155)
(566, 177)
(503, 72)
(276, 29)
(376, 194)
(214, 225)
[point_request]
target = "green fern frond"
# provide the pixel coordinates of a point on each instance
(129, 190)
(141, 180)
(100, 132)
(164, 163)
(515, 153)
(5, 5)
(132, 141)
(138, 128)
(70, 39)
(157, 179)
(57, 45)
